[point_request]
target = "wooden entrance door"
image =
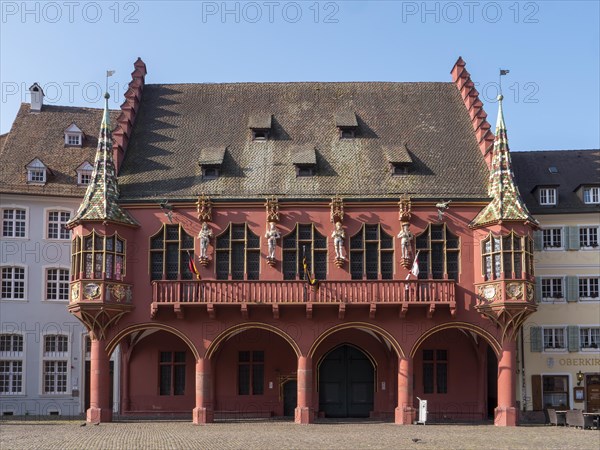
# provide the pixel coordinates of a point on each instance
(592, 386)
(346, 388)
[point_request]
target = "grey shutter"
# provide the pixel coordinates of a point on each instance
(535, 336)
(573, 333)
(537, 240)
(572, 289)
(572, 238)
(538, 289)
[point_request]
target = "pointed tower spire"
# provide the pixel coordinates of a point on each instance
(100, 202)
(506, 204)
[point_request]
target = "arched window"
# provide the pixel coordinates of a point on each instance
(169, 253)
(98, 256)
(439, 253)
(237, 253)
(304, 241)
(511, 255)
(372, 253)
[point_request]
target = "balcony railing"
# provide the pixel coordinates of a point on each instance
(294, 292)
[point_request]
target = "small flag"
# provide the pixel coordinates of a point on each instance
(110, 73)
(415, 267)
(504, 71)
(192, 265)
(311, 281)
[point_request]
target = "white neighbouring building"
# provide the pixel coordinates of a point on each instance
(561, 341)
(46, 161)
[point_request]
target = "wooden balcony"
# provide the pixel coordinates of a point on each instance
(211, 293)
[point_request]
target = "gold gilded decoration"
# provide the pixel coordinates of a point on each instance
(91, 290)
(118, 292)
(75, 292)
(404, 207)
(272, 206)
(514, 290)
(204, 206)
(337, 209)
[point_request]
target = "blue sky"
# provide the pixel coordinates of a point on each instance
(551, 48)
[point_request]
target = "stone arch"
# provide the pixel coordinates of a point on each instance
(148, 326)
(490, 339)
(214, 345)
(358, 325)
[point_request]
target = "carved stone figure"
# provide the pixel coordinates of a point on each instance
(272, 235)
(406, 239)
(205, 235)
(338, 236)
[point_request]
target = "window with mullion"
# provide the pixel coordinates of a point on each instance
(588, 288)
(588, 237)
(57, 284)
(552, 238)
(11, 364)
(55, 364)
(552, 289)
(171, 373)
(13, 283)
(554, 339)
(251, 372)
(435, 371)
(439, 253)
(57, 221)
(589, 337)
(169, 249)
(304, 242)
(371, 253)
(509, 255)
(13, 222)
(237, 253)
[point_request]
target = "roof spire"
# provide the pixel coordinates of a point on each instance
(100, 199)
(506, 204)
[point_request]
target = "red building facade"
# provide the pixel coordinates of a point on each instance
(304, 249)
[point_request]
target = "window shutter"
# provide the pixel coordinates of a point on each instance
(536, 392)
(572, 238)
(572, 289)
(573, 332)
(537, 240)
(538, 289)
(535, 335)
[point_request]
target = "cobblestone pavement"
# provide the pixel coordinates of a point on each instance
(68, 434)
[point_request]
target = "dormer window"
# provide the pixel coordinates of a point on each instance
(36, 172)
(73, 136)
(591, 195)
(304, 157)
(547, 196)
(84, 174)
(210, 162)
(210, 173)
(347, 124)
(260, 125)
(399, 159)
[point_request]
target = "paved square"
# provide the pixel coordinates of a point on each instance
(63, 434)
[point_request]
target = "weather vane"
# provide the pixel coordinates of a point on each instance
(502, 72)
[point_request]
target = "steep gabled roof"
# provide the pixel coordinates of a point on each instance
(506, 204)
(41, 135)
(574, 168)
(174, 121)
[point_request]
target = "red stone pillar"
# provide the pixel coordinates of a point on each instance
(203, 412)
(405, 412)
(304, 409)
(99, 410)
(125, 379)
(505, 415)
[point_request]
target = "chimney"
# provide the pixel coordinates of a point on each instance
(37, 97)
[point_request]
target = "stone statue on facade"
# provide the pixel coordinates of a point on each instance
(272, 235)
(406, 241)
(338, 236)
(205, 235)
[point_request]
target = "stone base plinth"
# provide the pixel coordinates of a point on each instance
(97, 415)
(303, 415)
(506, 416)
(404, 416)
(202, 416)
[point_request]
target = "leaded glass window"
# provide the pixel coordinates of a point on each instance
(371, 253)
(170, 251)
(439, 253)
(304, 242)
(238, 253)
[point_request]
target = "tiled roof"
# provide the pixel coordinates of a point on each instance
(304, 155)
(397, 154)
(212, 156)
(41, 135)
(175, 121)
(574, 168)
(101, 199)
(506, 204)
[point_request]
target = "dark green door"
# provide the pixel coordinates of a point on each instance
(346, 383)
(290, 398)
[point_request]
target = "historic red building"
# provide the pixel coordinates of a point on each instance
(304, 249)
